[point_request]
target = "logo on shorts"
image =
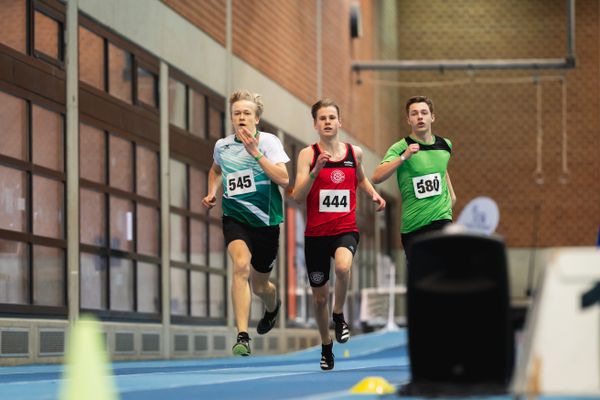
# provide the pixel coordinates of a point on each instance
(317, 277)
(351, 248)
(338, 176)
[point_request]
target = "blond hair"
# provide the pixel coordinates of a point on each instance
(243, 94)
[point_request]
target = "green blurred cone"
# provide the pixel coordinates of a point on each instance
(87, 373)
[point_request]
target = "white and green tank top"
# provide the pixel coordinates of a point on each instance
(249, 195)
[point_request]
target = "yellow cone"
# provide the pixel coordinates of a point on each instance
(87, 372)
(373, 385)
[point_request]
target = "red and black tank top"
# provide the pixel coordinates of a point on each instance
(331, 201)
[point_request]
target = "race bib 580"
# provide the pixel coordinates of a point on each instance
(427, 185)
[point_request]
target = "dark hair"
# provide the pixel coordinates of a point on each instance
(321, 104)
(420, 99)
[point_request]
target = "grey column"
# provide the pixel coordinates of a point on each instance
(72, 124)
(164, 209)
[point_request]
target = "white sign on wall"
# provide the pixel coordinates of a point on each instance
(480, 215)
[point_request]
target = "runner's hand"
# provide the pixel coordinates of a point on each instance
(249, 140)
(209, 201)
(380, 202)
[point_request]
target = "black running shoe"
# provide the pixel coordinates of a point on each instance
(267, 322)
(242, 346)
(327, 356)
(342, 332)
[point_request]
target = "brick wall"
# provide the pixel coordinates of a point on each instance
(208, 15)
(493, 120)
(491, 116)
(279, 39)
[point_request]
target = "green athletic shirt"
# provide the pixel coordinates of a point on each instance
(422, 182)
(249, 195)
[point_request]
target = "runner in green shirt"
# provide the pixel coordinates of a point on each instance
(420, 161)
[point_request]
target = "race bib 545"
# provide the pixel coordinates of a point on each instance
(240, 182)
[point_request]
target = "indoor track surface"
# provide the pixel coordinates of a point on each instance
(286, 376)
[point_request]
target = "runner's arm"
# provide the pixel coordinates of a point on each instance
(364, 183)
(214, 183)
(303, 178)
(451, 189)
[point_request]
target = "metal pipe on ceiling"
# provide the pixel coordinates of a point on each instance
(472, 64)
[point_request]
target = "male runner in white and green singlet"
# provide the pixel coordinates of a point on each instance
(249, 166)
(420, 161)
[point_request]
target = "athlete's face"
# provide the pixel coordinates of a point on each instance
(327, 122)
(420, 118)
(243, 114)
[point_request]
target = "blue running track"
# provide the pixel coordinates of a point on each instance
(286, 376)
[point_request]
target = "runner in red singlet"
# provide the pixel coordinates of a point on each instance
(328, 174)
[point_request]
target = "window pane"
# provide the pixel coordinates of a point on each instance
(48, 214)
(13, 26)
(148, 281)
(178, 238)
(121, 224)
(121, 284)
(147, 230)
(147, 172)
(13, 123)
(14, 281)
(121, 164)
(93, 282)
(91, 58)
(48, 138)
(146, 87)
(178, 184)
(92, 221)
(119, 73)
(217, 295)
(198, 242)
(13, 199)
(177, 103)
(216, 246)
(197, 114)
(92, 151)
(198, 190)
(179, 297)
(215, 123)
(47, 31)
(198, 293)
(48, 276)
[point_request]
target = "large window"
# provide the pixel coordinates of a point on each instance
(198, 259)
(107, 64)
(198, 256)
(193, 110)
(32, 207)
(119, 224)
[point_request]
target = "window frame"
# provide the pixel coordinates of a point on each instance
(28, 237)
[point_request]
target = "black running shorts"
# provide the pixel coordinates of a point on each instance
(318, 251)
(263, 242)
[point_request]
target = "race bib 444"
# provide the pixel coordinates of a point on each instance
(334, 200)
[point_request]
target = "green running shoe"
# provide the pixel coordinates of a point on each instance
(242, 345)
